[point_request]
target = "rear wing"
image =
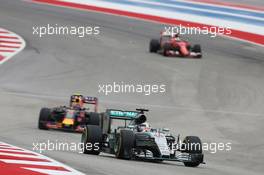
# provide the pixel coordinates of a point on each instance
(122, 115)
(110, 114)
(85, 99)
(136, 117)
(91, 100)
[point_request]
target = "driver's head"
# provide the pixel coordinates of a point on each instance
(77, 101)
(143, 127)
(176, 35)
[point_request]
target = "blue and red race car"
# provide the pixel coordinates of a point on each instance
(70, 118)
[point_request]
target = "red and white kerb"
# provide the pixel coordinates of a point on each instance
(18, 161)
(10, 44)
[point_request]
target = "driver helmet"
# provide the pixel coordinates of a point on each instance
(143, 127)
(77, 101)
(176, 36)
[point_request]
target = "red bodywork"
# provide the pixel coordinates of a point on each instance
(175, 46)
(180, 45)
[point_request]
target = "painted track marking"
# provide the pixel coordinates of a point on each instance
(18, 161)
(10, 44)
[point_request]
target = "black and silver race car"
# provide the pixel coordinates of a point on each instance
(135, 139)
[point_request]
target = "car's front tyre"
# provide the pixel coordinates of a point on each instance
(91, 140)
(193, 146)
(154, 46)
(197, 49)
(125, 144)
(166, 49)
(44, 117)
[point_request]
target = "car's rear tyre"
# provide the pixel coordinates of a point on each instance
(93, 118)
(166, 49)
(92, 139)
(197, 49)
(193, 145)
(44, 117)
(125, 144)
(154, 46)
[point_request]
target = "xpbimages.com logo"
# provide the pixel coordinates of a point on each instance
(212, 31)
(122, 87)
(209, 147)
(79, 31)
(64, 146)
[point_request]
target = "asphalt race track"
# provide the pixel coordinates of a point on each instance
(219, 97)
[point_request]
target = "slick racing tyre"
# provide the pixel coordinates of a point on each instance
(92, 139)
(125, 144)
(197, 49)
(44, 117)
(154, 46)
(166, 49)
(93, 118)
(193, 145)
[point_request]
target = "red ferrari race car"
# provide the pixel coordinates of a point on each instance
(169, 45)
(72, 118)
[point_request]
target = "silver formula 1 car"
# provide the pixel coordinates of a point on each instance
(135, 139)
